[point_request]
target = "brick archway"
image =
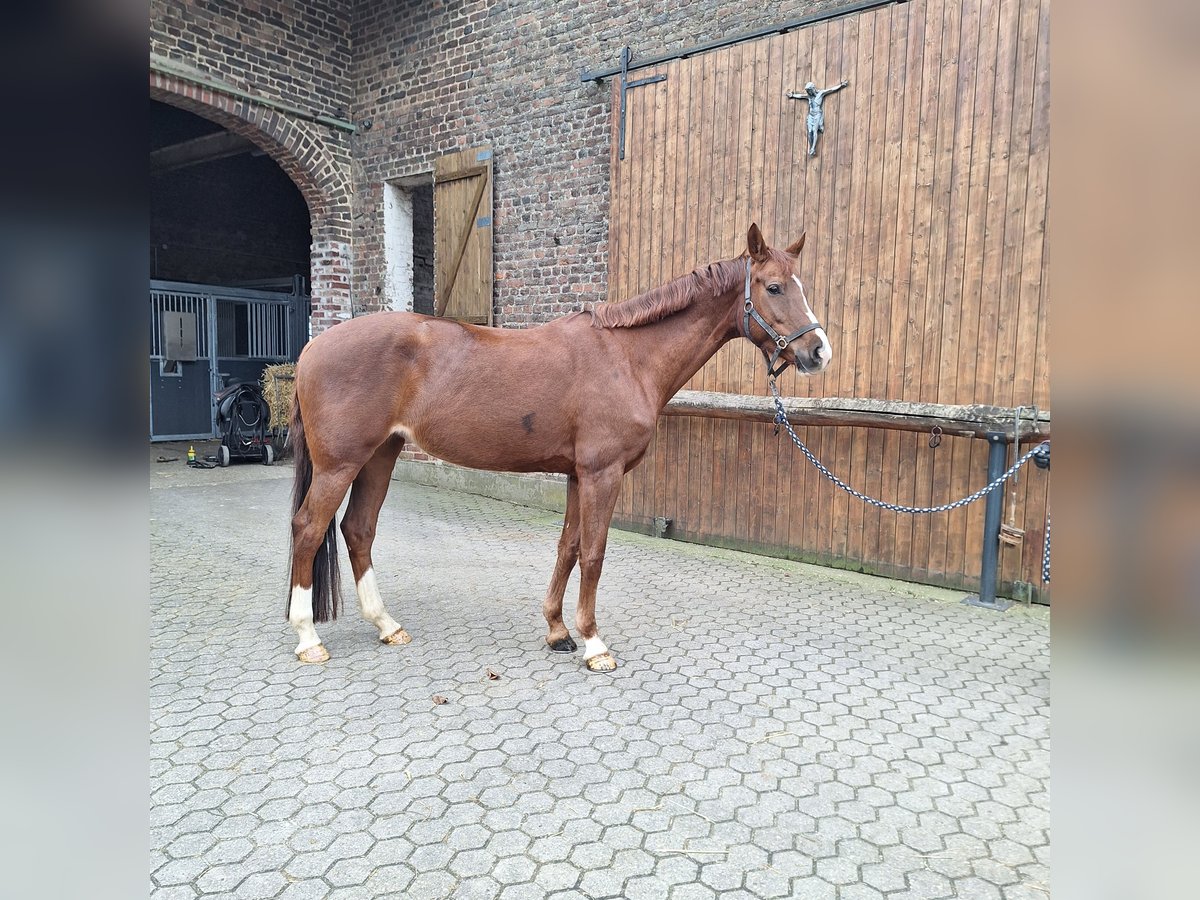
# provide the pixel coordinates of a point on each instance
(316, 165)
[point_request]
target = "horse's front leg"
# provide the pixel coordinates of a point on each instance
(558, 638)
(597, 499)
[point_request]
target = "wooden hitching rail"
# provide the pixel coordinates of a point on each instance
(962, 421)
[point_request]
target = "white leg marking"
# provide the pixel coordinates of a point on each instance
(371, 605)
(300, 614)
(593, 646)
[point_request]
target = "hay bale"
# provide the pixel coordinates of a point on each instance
(278, 387)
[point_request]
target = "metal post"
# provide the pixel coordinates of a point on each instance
(997, 459)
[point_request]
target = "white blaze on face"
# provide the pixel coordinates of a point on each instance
(826, 351)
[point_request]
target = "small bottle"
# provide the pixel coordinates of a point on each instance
(191, 454)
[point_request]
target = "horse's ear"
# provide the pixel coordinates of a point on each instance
(797, 245)
(756, 244)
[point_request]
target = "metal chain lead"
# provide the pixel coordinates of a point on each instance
(781, 419)
(1046, 552)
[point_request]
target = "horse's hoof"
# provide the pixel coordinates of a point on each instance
(564, 645)
(601, 662)
(314, 654)
(399, 636)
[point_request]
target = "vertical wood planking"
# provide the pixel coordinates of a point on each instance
(835, 197)
(617, 216)
(633, 237)
(881, 538)
(659, 201)
(1031, 382)
(867, 446)
(462, 248)
(972, 467)
(642, 101)
(621, 235)
(789, 193)
(992, 321)
(718, 180)
(905, 318)
(818, 254)
(739, 449)
(924, 154)
(765, 470)
(859, 35)
(1034, 228)
(702, 143)
(926, 212)
(942, 223)
(683, 497)
(956, 304)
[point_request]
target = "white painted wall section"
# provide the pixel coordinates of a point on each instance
(398, 246)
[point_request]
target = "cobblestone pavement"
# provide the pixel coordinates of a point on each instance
(775, 730)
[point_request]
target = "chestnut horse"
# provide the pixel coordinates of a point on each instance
(578, 395)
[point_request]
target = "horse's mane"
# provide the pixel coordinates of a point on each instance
(658, 303)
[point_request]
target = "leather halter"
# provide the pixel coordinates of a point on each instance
(781, 342)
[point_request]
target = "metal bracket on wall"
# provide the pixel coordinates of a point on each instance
(626, 84)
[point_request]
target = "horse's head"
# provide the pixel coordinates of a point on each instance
(776, 314)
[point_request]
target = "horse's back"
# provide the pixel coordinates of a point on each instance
(504, 399)
(377, 332)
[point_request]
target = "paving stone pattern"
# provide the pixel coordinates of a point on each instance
(775, 730)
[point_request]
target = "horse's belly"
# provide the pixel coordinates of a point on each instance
(481, 448)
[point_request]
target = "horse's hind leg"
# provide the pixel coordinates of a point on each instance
(558, 637)
(311, 543)
(358, 527)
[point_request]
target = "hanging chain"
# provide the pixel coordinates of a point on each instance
(781, 419)
(1046, 551)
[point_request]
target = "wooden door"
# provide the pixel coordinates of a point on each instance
(462, 215)
(925, 209)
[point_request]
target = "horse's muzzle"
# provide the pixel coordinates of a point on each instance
(811, 360)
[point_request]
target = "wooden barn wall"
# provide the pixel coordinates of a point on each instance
(926, 259)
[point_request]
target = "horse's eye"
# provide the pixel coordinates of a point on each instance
(774, 289)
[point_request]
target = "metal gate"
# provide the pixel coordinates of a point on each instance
(204, 337)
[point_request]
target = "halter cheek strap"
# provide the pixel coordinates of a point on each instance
(780, 342)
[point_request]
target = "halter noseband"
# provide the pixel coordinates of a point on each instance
(780, 341)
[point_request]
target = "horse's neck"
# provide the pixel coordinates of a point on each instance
(672, 350)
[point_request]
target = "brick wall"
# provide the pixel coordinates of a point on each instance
(421, 79)
(298, 53)
(203, 230)
(435, 77)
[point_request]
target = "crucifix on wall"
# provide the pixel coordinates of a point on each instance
(815, 122)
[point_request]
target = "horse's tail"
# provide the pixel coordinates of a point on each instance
(326, 583)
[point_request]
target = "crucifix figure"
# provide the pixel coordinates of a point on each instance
(816, 113)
